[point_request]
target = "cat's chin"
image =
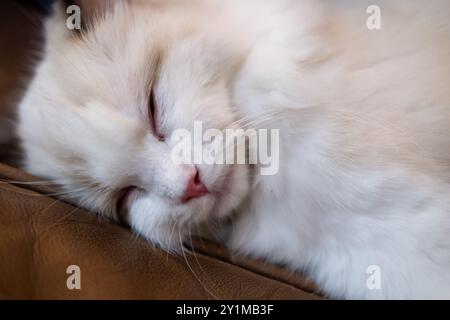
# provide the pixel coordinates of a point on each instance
(167, 224)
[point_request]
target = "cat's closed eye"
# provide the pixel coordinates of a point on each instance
(152, 116)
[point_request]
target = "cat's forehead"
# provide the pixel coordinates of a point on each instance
(148, 22)
(143, 36)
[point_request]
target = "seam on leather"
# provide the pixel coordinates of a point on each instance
(305, 290)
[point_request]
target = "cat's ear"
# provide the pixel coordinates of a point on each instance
(89, 10)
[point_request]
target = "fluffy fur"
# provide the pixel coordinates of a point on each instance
(364, 119)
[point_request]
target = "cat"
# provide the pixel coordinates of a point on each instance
(361, 202)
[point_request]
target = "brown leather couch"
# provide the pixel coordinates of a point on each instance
(41, 236)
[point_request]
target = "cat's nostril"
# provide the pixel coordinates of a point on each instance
(195, 188)
(197, 178)
(161, 137)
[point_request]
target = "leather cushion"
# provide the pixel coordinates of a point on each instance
(40, 236)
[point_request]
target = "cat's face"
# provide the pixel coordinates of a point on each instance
(98, 117)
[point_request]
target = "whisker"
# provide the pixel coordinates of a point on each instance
(170, 241)
(192, 270)
(193, 251)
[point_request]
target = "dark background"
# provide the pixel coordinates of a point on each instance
(20, 42)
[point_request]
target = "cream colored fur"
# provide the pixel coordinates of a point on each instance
(364, 119)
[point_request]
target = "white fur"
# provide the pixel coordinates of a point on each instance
(364, 176)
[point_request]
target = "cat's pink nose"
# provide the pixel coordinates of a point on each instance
(195, 188)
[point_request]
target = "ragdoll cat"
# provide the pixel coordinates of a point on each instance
(364, 116)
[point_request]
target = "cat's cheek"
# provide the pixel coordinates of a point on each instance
(234, 190)
(150, 217)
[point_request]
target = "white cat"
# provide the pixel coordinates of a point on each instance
(364, 118)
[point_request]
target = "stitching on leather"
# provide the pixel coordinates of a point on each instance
(306, 290)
